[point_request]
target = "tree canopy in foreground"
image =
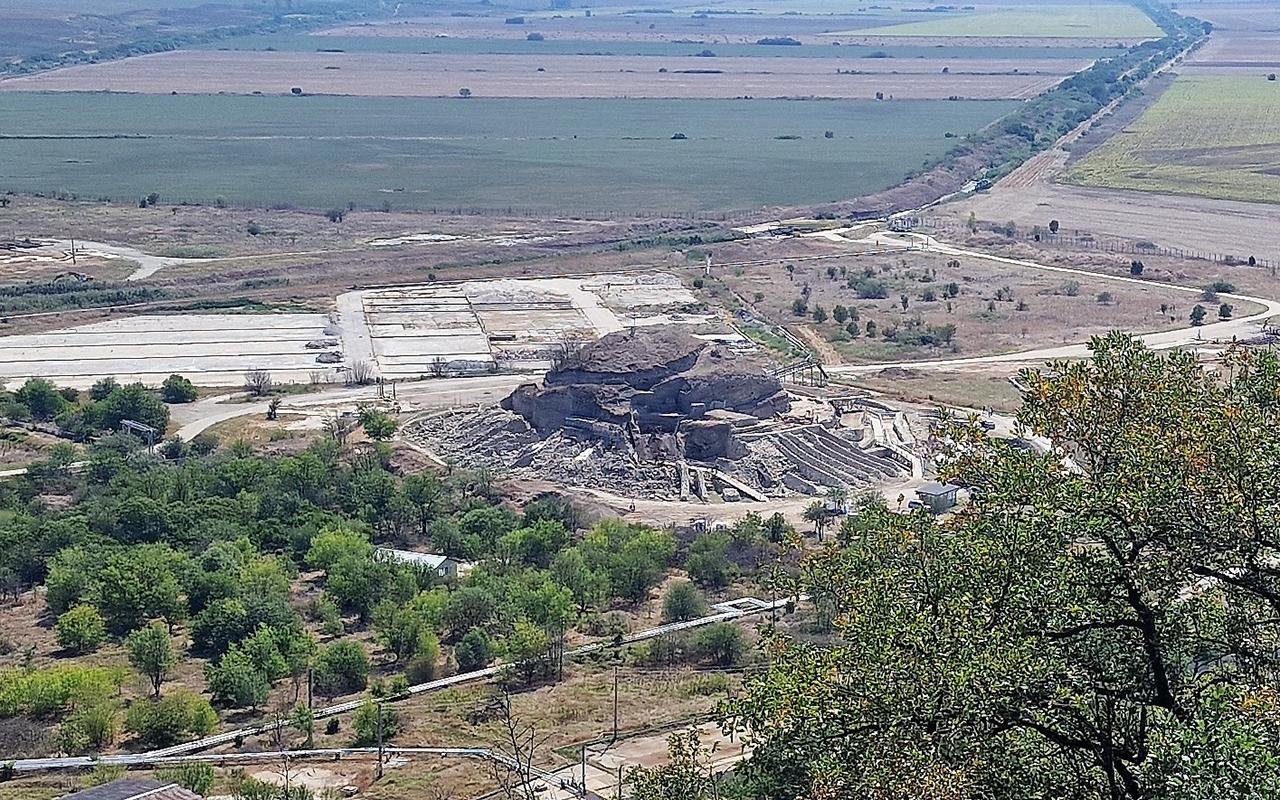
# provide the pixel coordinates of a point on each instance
(1101, 622)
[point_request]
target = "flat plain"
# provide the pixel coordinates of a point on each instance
(1209, 135)
(406, 75)
(1173, 221)
(1048, 21)
(502, 40)
(565, 156)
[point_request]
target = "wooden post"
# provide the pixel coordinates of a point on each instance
(379, 726)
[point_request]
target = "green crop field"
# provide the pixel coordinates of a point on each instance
(548, 155)
(1050, 21)
(1214, 136)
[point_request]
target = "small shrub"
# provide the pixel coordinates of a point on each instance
(179, 715)
(196, 777)
(722, 643)
(683, 602)
(177, 389)
(868, 289)
(81, 629)
(341, 668)
(366, 724)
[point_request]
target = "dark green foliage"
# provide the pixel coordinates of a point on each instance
(41, 398)
(722, 644)
(236, 681)
(374, 723)
(341, 668)
(468, 608)
(157, 723)
(177, 389)
(552, 508)
(378, 425)
(683, 602)
(535, 545)
(708, 563)
(215, 628)
(870, 289)
(475, 651)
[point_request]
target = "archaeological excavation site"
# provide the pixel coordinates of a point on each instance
(658, 413)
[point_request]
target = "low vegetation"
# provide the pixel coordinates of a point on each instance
(1208, 135)
(224, 580)
(1093, 21)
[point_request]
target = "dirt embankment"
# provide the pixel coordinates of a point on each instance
(925, 188)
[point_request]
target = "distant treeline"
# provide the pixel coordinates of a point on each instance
(1043, 120)
(300, 16)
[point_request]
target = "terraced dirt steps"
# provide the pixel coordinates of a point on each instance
(822, 457)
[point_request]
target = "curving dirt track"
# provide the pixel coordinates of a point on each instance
(1182, 337)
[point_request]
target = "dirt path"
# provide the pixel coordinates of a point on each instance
(66, 250)
(826, 353)
(437, 393)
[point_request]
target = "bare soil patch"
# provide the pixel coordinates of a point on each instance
(441, 75)
(972, 387)
(990, 307)
(1192, 223)
(710, 29)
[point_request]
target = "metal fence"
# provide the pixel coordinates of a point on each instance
(1080, 240)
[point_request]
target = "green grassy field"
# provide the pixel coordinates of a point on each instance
(1050, 21)
(1214, 136)
(547, 155)
(305, 43)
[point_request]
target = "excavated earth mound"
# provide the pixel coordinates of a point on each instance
(650, 382)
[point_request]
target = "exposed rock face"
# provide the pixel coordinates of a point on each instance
(655, 386)
(547, 408)
(708, 440)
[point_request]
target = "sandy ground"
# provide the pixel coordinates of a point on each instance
(212, 349)
(436, 75)
(68, 252)
(404, 332)
(417, 330)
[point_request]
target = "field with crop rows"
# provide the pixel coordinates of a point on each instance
(404, 75)
(405, 153)
(1050, 21)
(865, 56)
(1209, 135)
